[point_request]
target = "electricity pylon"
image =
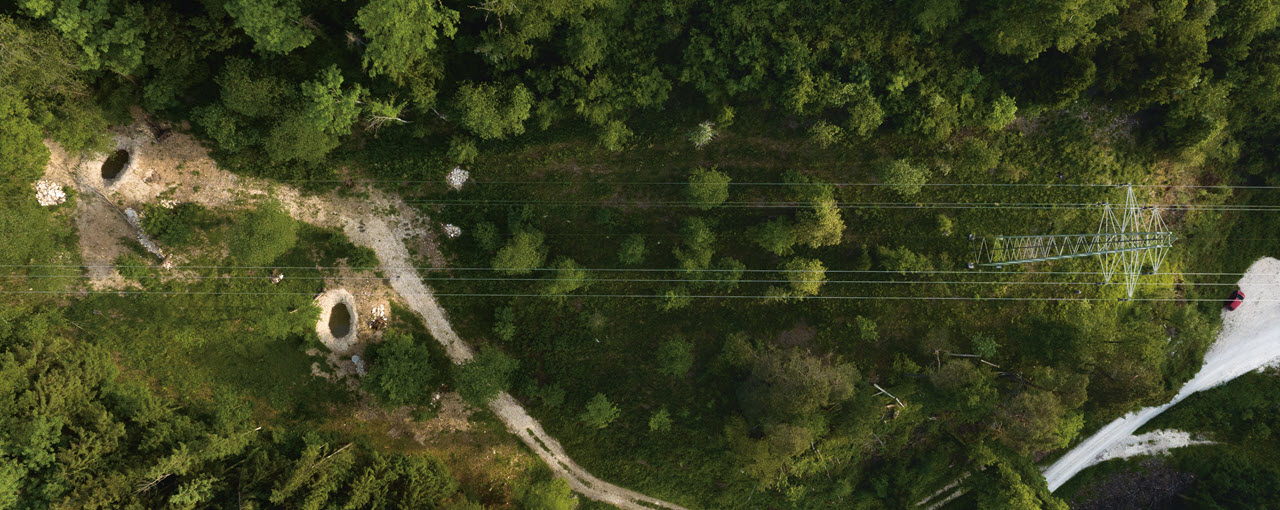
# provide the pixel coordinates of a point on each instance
(1128, 238)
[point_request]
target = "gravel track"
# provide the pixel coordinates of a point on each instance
(379, 221)
(1250, 339)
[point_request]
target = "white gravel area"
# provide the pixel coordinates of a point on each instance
(1249, 340)
(1151, 443)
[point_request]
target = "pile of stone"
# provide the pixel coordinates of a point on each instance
(457, 177)
(143, 238)
(379, 319)
(452, 231)
(49, 193)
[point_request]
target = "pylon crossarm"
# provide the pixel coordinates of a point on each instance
(1074, 256)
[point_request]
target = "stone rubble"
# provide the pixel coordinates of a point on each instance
(49, 193)
(145, 240)
(452, 231)
(457, 177)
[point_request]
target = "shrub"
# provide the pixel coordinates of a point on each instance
(173, 227)
(522, 254)
(675, 356)
(262, 235)
(485, 376)
(631, 252)
(703, 134)
(600, 412)
(400, 370)
(707, 188)
(660, 421)
(903, 177)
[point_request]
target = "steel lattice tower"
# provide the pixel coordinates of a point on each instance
(1128, 238)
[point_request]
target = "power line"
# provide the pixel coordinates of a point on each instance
(635, 296)
(442, 182)
(806, 204)
(626, 280)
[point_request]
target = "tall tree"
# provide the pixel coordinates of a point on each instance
(403, 42)
(276, 26)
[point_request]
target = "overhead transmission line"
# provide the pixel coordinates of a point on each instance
(635, 296)
(623, 280)
(441, 182)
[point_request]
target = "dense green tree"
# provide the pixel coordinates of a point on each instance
(660, 421)
(276, 26)
(699, 245)
(504, 323)
(631, 252)
(1025, 29)
(521, 255)
(553, 494)
(804, 278)
(400, 370)
(485, 376)
(1036, 421)
(707, 188)
(776, 236)
(262, 235)
(328, 107)
(569, 277)
(675, 356)
(109, 33)
(786, 384)
(403, 43)
(493, 111)
(904, 177)
(600, 412)
(819, 224)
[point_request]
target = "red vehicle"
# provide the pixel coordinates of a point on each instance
(1236, 298)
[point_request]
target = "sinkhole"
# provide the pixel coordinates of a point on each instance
(339, 320)
(114, 164)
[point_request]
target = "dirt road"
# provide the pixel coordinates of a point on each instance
(179, 168)
(1250, 339)
(377, 234)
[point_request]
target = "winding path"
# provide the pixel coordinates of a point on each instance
(381, 237)
(181, 168)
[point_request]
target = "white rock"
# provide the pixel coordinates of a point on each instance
(452, 231)
(457, 177)
(49, 193)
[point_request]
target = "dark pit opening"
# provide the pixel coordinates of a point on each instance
(339, 321)
(114, 164)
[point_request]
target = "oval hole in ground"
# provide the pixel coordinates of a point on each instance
(339, 320)
(114, 164)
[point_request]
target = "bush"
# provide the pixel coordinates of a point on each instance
(825, 133)
(485, 376)
(903, 177)
(600, 412)
(707, 188)
(132, 266)
(173, 227)
(400, 370)
(522, 254)
(675, 356)
(553, 494)
(504, 323)
(569, 277)
(262, 235)
(631, 253)
(486, 236)
(660, 421)
(703, 134)
(867, 329)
